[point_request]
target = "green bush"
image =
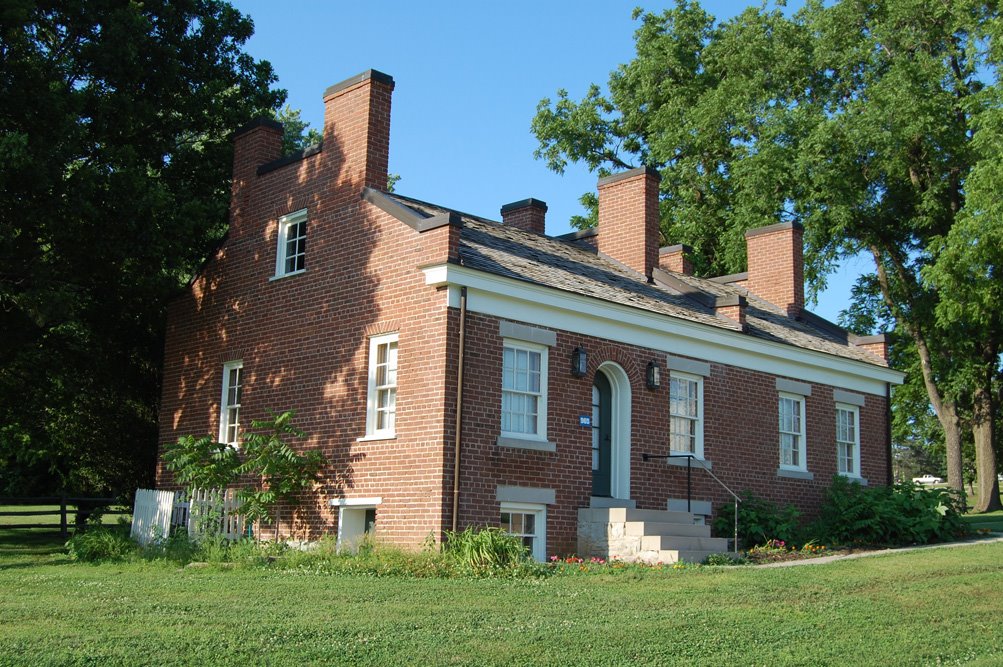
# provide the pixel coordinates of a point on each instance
(486, 548)
(759, 521)
(888, 515)
(101, 543)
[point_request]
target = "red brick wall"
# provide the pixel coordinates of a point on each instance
(304, 339)
(740, 435)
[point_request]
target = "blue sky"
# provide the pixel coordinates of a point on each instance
(468, 78)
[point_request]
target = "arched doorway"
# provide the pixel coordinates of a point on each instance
(611, 432)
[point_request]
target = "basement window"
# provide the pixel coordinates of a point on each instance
(528, 522)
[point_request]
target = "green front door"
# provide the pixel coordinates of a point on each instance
(601, 443)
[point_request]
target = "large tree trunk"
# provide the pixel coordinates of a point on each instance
(985, 451)
(946, 411)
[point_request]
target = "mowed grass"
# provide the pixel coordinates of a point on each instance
(991, 520)
(923, 607)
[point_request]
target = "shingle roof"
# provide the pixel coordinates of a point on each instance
(573, 267)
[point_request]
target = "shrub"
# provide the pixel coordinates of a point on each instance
(888, 515)
(486, 548)
(101, 543)
(759, 520)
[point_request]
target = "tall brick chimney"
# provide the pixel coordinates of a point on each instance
(254, 144)
(776, 265)
(529, 215)
(628, 218)
(357, 128)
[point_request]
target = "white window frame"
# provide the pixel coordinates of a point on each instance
(372, 407)
(225, 405)
(539, 550)
(699, 419)
(802, 445)
(286, 222)
(855, 442)
(541, 405)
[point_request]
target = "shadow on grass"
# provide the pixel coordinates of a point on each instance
(30, 542)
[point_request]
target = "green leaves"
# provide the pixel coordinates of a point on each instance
(115, 140)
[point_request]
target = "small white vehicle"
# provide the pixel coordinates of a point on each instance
(927, 479)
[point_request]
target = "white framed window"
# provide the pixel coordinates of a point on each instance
(381, 414)
(528, 522)
(686, 414)
(290, 257)
(229, 404)
(524, 390)
(848, 440)
(792, 432)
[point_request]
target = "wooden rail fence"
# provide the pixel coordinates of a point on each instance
(82, 508)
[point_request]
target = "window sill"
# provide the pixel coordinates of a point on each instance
(794, 474)
(697, 462)
(287, 275)
(854, 478)
(521, 443)
(376, 438)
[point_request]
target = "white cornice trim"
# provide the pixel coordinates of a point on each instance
(521, 301)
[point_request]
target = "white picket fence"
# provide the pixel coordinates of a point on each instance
(210, 511)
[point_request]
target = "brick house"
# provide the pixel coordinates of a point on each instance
(456, 370)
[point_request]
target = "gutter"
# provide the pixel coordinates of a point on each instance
(459, 409)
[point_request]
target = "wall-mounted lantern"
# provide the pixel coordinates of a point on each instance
(579, 362)
(653, 375)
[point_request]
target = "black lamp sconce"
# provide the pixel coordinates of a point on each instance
(579, 362)
(653, 376)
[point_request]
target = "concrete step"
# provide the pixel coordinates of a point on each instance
(623, 514)
(680, 543)
(602, 502)
(635, 528)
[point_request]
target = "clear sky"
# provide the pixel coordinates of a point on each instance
(468, 78)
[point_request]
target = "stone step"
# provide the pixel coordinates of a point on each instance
(668, 556)
(635, 528)
(682, 543)
(623, 514)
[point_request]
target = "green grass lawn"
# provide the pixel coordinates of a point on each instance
(991, 520)
(921, 607)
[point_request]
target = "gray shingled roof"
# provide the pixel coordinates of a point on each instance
(489, 246)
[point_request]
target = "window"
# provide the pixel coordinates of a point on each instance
(792, 434)
(291, 254)
(381, 414)
(528, 523)
(524, 390)
(686, 414)
(229, 405)
(847, 440)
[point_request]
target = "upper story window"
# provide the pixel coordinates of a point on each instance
(229, 405)
(524, 390)
(381, 415)
(686, 414)
(291, 254)
(792, 432)
(848, 440)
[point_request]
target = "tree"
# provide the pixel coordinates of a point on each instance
(115, 138)
(852, 118)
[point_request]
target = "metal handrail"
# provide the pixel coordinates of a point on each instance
(689, 482)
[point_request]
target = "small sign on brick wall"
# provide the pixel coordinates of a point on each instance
(585, 420)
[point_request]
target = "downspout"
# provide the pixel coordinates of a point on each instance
(888, 430)
(459, 409)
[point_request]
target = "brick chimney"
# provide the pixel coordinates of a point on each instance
(357, 128)
(676, 258)
(776, 265)
(876, 345)
(254, 144)
(529, 215)
(628, 218)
